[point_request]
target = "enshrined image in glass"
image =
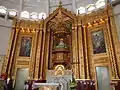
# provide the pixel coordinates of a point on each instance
(98, 42)
(25, 47)
(103, 78)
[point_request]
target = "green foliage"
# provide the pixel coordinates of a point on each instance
(73, 83)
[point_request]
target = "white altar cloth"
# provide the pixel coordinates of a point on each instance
(37, 85)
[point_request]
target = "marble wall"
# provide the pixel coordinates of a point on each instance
(5, 32)
(117, 18)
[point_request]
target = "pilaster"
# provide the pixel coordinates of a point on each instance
(13, 51)
(86, 53)
(33, 58)
(75, 52)
(38, 56)
(80, 48)
(42, 56)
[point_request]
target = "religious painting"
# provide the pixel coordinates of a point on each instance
(98, 42)
(103, 78)
(25, 47)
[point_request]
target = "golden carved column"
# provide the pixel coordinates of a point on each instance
(112, 52)
(13, 51)
(42, 56)
(116, 45)
(86, 53)
(5, 63)
(38, 55)
(80, 48)
(46, 52)
(75, 52)
(34, 51)
(51, 46)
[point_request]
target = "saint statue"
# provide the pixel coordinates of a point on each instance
(61, 44)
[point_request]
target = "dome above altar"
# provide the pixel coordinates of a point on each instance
(40, 9)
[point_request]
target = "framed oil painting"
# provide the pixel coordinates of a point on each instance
(103, 78)
(98, 42)
(25, 47)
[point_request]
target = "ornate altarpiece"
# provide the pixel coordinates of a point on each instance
(78, 42)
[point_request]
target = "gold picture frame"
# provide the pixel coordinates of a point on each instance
(102, 28)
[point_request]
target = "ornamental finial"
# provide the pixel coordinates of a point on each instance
(60, 3)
